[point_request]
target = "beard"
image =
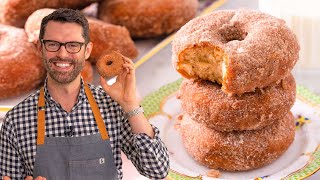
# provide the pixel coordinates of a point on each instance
(66, 76)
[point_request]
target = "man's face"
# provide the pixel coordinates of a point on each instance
(62, 66)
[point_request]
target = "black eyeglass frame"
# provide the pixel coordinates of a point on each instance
(43, 41)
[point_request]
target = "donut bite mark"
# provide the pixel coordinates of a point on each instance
(110, 64)
(240, 49)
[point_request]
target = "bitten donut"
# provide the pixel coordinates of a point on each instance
(105, 37)
(206, 103)
(145, 18)
(236, 150)
(109, 65)
(16, 12)
(240, 49)
(21, 68)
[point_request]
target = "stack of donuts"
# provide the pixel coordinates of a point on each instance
(113, 25)
(238, 90)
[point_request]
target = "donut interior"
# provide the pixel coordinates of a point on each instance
(207, 61)
(203, 61)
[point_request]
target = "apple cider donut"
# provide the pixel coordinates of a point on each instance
(145, 18)
(21, 68)
(206, 103)
(33, 23)
(240, 49)
(109, 65)
(16, 12)
(236, 150)
(108, 37)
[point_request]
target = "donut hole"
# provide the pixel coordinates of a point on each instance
(204, 62)
(109, 63)
(232, 33)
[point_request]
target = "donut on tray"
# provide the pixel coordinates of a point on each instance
(16, 12)
(240, 49)
(236, 150)
(21, 65)
(145, 18)
(108, 37)
(206, 103)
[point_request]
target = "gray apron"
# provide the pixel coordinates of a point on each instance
(74, 158)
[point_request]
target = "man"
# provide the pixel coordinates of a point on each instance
(71, 130)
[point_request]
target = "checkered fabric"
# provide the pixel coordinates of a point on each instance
(18, 134)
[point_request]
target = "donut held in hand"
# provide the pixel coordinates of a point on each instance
(110, 64)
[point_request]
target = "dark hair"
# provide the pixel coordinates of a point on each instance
(65, 15)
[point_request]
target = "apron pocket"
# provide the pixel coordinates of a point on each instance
(88, 169)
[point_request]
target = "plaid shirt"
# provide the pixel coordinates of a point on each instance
(18, 134)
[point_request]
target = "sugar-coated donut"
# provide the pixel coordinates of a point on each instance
(87, 72)
(33, 23)
(105, 37)
(206, 103)
(16, 12)
(240, 49)
(108, 37)
(21, 68)
(145, 18)
(109, 65)
(236, 150)
(91, 10)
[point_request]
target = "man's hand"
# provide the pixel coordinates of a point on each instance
(123, 90)
(27, 178)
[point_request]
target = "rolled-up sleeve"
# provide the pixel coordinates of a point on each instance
(149, 155)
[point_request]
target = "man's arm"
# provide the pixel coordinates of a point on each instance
(139, 140)
(149, 155)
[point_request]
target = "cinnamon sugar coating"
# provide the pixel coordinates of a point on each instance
(236, 150)
(240, 49)
(105, 37)
(16, 12)
(110, 64)
(145, 18)
(21, 65)
(33, 23)
(206, 103)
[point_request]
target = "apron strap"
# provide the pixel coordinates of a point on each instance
(41, 118)
(95, 109)
(96, 112)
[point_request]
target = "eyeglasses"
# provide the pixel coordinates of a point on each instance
(54, 46)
